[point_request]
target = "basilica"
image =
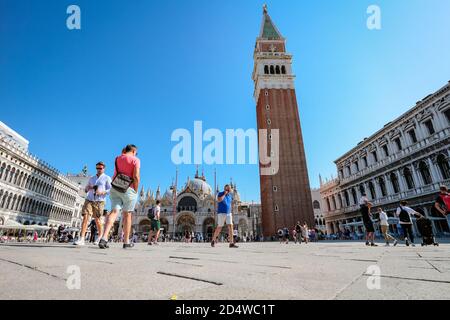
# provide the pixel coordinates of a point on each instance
(193, 210)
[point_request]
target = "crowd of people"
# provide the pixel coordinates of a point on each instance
(405, 216)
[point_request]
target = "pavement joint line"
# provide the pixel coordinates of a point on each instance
(33, 268)
(271, 266)
(183, 258)
(434, 267)
(411, 279)
(18, 245)
(187, 264)
(361, 260)
(189, 278)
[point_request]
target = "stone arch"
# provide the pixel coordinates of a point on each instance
(185, 222)
(208, 228)
(164, 225)
(144, 226)
(243, 228)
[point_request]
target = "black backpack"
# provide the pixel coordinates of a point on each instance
(404, 216)
(151, 213)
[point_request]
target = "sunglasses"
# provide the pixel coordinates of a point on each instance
(99, 168)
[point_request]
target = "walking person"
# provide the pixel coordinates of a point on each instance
(98, 187)
(442, 203)
(124, 191)
(298, 231)
(305, 230)
(224, 215)
(286, 235)
(155, 226)
(365, 206)
(93, 227)
(405, 215)
(384, 225)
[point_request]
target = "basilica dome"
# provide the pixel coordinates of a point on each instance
(200, 186)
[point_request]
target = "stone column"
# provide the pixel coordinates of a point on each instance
(433, 170)
(401, 181)
(388, 184)
(416, 178)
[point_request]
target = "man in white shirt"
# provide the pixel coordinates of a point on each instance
(405, 215)
(384, 224)
(98, 187)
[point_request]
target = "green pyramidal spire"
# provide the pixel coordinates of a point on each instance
(268, 30)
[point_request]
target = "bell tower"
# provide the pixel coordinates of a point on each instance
(286, 194)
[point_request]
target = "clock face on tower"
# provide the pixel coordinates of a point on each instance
(285, 194)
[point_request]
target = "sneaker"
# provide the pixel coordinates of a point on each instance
(79, 243)
(128, 245)
(149, 243)
(373, 245)
(232, 245)
(103, 244)
(96, 243)
(407, 243)
(367, 243)
(395, 242)
(213, 243)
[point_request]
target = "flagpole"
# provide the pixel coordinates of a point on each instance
(174, 196)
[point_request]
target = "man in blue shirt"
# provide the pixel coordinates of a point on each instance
(224, 215)
(97, 189)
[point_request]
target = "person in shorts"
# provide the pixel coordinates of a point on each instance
(98, 187)
(155, 226)
(129, 165)
(224, 215)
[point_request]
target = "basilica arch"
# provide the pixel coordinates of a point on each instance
(185, 222)
(208, 228)
(144, 226)
(164, 225)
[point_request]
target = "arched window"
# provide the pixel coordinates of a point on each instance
(394, 181)
(277, 70)
(425, 173)
(272, 70)
(443, 165)
(382, 186)
(408, 178)
(188, 203)
(283, 70)
(3, 200)
(362, 189)
(355, 198)
(347, 198)
(266, 69)
(2, 170)
(8, 169)
(372, 190)
(316, 204)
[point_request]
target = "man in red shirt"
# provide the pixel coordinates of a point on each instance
(129, 165)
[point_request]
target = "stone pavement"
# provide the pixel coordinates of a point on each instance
(269, 270)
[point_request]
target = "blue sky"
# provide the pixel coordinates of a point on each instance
(137, 70)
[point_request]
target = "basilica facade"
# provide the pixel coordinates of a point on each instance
(192, 210)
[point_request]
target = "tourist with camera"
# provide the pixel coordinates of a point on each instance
(98, 187)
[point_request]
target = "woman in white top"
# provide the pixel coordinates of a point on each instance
(405, 215)
(384, 224)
